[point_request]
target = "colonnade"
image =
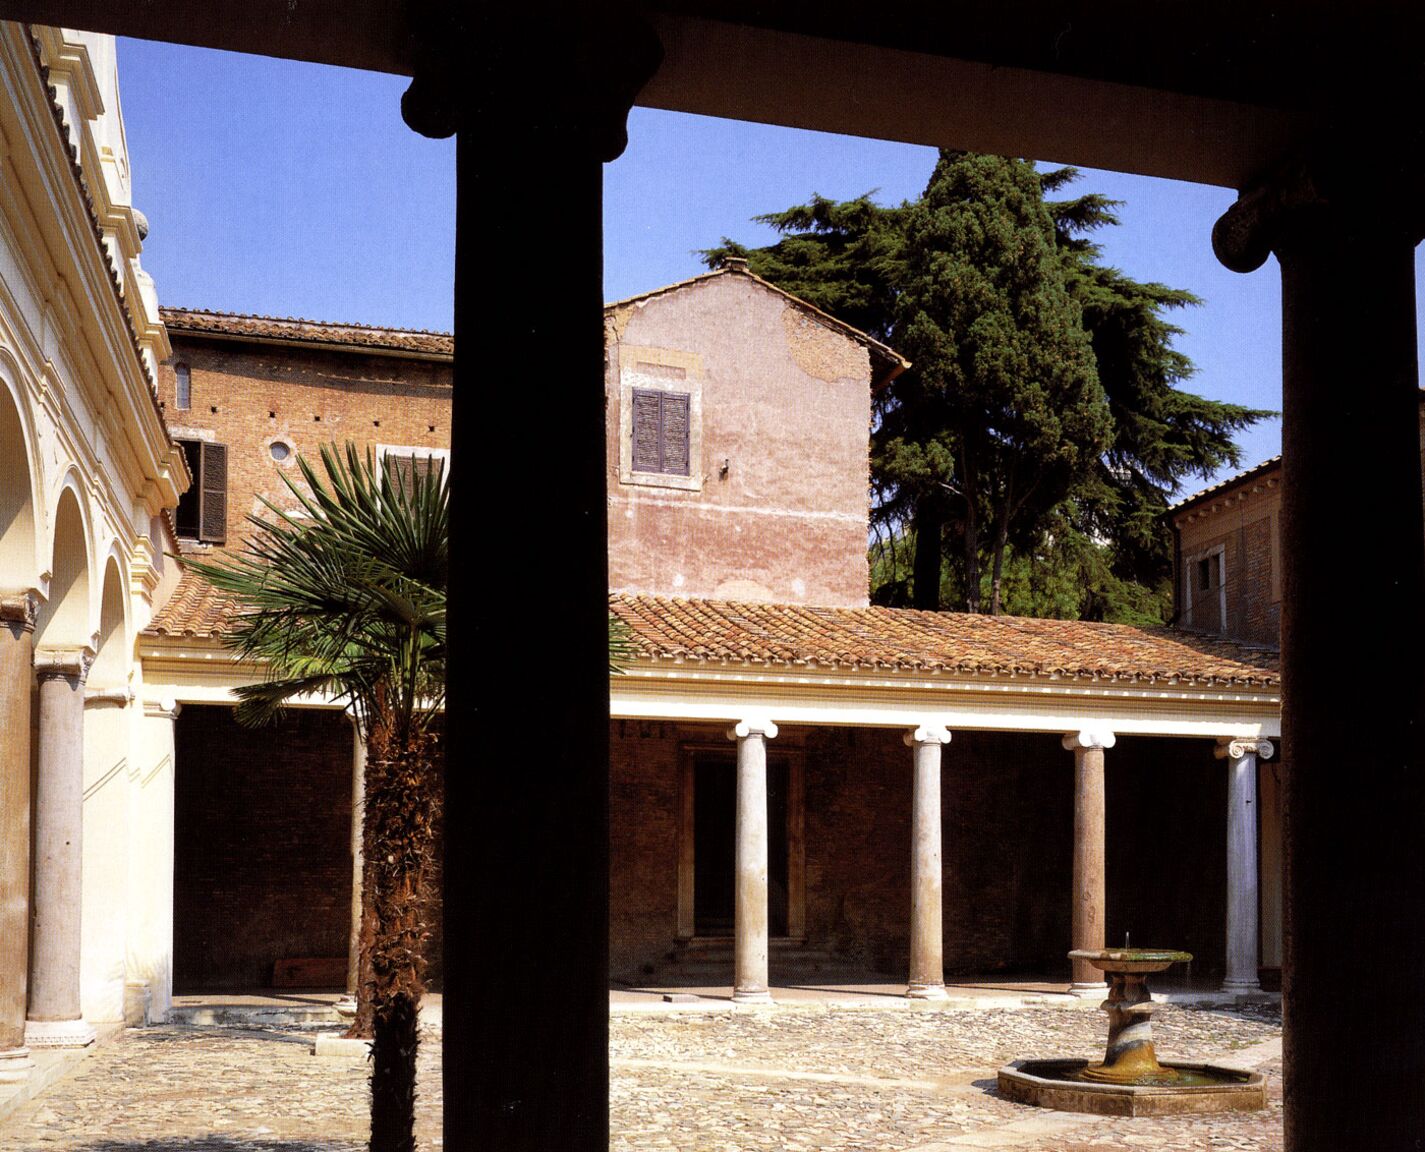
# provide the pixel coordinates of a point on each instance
(926, 976)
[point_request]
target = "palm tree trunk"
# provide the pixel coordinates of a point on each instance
(402, 807)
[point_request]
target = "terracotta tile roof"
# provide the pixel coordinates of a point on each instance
(234, 325)
(905, 640)
(1221, 486)
(884, 638)
(195, 609)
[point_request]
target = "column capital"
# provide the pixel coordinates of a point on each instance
(927, 734)
(1235, 747)
(578, 66)
(72, 662)
(20, 609)
(1319, 189)
(753, 726)
(1090, 738)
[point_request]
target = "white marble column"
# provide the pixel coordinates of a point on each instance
(927, 942)
(749, 981)
(54, 1018)
(17, 634)
(346, 1006)
(1089, 908)
(1243, 923)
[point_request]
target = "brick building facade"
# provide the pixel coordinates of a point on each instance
(263, 842)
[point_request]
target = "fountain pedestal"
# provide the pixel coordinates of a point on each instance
(1130, 1080)
(1130, 1057)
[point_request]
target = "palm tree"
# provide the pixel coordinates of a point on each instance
(344, 597)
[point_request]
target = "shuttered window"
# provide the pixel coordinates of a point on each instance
(660, 432)
(202, 512)
(403, 467)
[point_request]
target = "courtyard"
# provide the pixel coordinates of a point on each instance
(814, 1075)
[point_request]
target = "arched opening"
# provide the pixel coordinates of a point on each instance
(17, 502)
(64, 617)
(112, 658)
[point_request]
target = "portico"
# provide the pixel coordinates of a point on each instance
(916, 847)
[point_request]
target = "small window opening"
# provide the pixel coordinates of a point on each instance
(183, 397)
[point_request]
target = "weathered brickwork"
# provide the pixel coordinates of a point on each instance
(250, 396)
(1007, 846)
(1244, 526)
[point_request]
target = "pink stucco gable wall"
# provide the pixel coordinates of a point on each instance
(776, 506)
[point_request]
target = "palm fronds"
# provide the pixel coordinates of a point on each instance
(345, 594)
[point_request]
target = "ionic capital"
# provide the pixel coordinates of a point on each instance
(927, 734)
(1090, 738)
(64, 663)
(1235, 747)
(1320, 191)
(20, 610)
(753, 726)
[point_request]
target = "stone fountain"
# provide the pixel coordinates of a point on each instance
(1130, 1080)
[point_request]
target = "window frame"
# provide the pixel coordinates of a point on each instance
(1193, 595)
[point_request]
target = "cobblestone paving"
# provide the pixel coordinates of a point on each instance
(805, 1079)
(175, 1089)
(862, 1079)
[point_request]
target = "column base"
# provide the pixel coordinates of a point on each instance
(59, 1033)
(751, 996)
(926, 992)
(346, 1007)
(15, 1065)
(1241, 987)
(1092, 991)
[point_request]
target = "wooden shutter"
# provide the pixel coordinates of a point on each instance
(647, 424)
(213, 506)
(660, 431)
(675, 433)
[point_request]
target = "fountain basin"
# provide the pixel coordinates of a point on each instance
(1200, 1088)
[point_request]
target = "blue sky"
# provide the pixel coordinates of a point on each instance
(295, 189)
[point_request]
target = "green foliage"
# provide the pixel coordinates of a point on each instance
(345, 596)
(1042, 428)
(621, 645)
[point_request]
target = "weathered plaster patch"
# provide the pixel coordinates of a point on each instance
(822, 353)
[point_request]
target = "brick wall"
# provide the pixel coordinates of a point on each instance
(1007, 846)
(262, 842)
(262, 836)
(250, 395)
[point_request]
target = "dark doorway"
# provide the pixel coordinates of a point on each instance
(714, 844)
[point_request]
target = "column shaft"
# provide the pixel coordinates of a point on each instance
(927, 942)
(1355, 875)
(750, 906)
(54, 1015)
(1087, 930)
(358, 810)
(16, 672)
(1243, 928)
